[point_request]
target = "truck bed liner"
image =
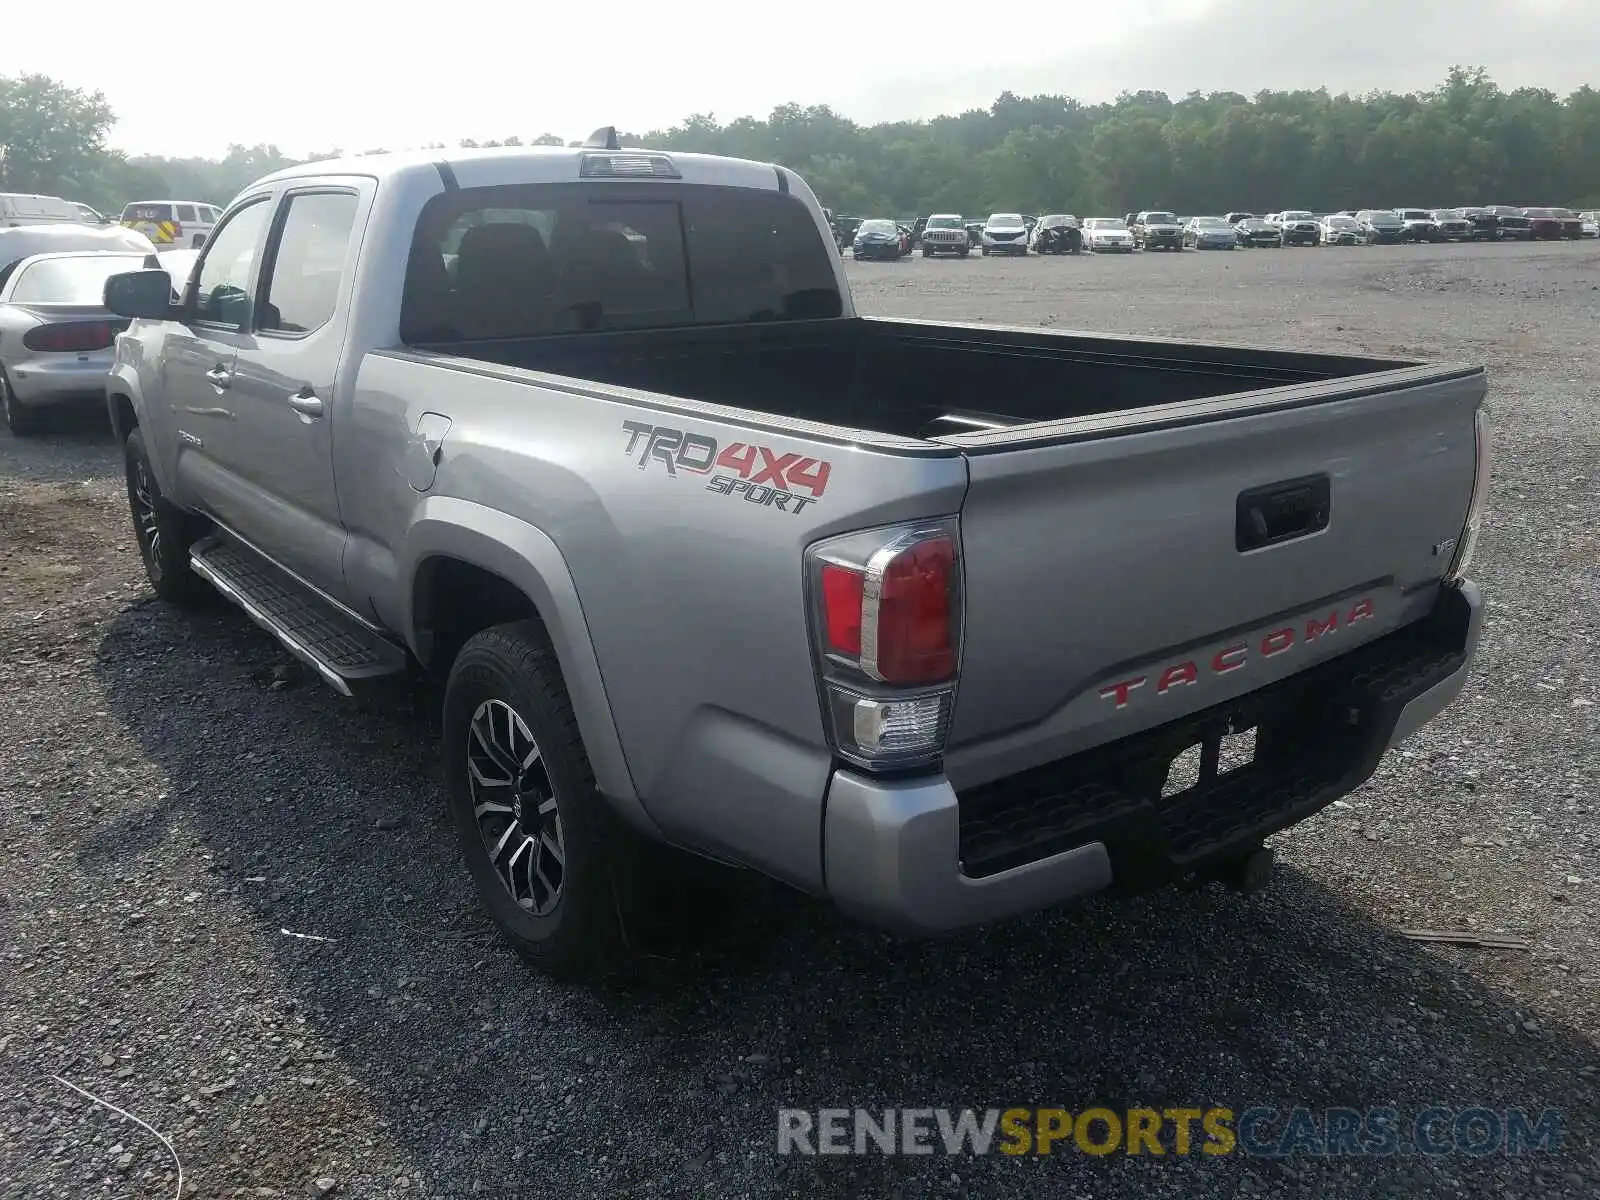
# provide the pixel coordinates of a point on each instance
(916, 379)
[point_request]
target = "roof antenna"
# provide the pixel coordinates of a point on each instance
(604, 138)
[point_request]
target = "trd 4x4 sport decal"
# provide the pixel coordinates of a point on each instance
(755, 474)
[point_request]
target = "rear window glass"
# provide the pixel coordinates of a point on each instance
(71, 280)
(147, 212)
(542, 259)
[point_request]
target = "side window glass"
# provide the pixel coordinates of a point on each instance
(222, 286)
(186, 213)
(308, 265)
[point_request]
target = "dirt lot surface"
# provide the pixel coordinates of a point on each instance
(177, 807)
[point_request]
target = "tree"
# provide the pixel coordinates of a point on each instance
(53, 137)
(1465, 141)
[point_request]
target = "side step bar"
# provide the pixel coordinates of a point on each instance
(321, 634)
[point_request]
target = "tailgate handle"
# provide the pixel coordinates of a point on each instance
(1282, 512)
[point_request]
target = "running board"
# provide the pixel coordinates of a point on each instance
(321, 634)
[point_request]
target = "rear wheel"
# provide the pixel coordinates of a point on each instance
(558, 872)
(19, 420)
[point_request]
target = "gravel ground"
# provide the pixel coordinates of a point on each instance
(174, 797)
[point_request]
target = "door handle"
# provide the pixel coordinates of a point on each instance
(220, 377)
(306, 402)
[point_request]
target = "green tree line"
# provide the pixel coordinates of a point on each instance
(1466, 141)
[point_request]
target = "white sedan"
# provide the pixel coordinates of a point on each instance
(1107, 235)
(56, 335)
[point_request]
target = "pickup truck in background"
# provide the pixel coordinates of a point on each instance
(914, 616)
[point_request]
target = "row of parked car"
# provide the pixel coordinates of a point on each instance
(165, 222)
(1065, 233)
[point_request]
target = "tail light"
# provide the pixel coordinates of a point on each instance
(1468, 544)
(69, 337)
(886, 619)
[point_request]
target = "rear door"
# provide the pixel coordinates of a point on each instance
(1114, 583)
(283, 383)
(156, 221)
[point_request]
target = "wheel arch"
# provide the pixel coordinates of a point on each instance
(124, 417)
(468, 567)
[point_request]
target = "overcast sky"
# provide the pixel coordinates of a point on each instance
(189, 79)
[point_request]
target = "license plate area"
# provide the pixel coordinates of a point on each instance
(1219, 752)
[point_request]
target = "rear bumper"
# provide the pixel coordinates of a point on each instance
(60, 379)
(892, 857)
(914, 856)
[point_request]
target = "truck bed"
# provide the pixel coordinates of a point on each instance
(918, 379)
(1137, 514)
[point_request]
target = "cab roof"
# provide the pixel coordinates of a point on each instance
(530, 164)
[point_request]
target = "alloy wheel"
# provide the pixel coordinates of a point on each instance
(144, 512)
(514, 806)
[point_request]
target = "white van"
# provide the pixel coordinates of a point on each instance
(23, 208)
(172, 222)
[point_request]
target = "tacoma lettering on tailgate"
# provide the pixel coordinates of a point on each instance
(1240, 654)
(756, 474)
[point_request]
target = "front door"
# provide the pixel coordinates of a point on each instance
(198, 359)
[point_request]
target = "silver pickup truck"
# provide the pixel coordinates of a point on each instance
(918, 617)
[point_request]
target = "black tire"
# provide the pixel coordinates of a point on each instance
(163, 531)
(601, 886)
(22, 422)
(986, 252)
(926, 253)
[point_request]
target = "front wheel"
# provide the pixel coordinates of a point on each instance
(163, 531)
(558, 872)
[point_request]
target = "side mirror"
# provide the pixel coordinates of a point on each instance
(143, 295)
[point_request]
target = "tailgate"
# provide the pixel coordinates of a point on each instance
(1113, 583)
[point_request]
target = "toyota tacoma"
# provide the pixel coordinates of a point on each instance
(915, 616)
